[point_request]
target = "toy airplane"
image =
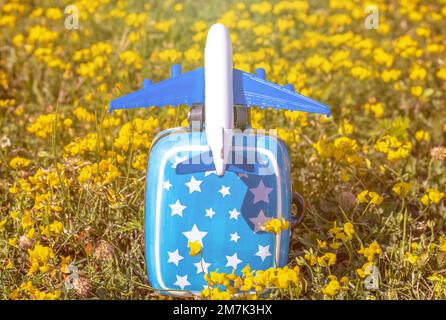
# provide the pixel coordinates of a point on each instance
(219, 87)
(218, 201)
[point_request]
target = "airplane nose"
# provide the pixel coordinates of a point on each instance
(217, 27)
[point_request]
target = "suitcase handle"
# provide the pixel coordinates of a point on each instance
(299, 201)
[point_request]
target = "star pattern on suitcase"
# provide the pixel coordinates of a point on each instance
(224, 215)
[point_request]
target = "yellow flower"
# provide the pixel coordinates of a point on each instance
(2, 223)
(31, 233)
(422, 135)
(19, 163)
(82, 114)
(402, 188)
(275, 225)
(199, 25)
(369, 197)
(335, 229)
(9, 265)
(215, 294)
(12, 242)
(442, 73)
(284, 24)
(349, 230)
(432, 196)
(140, 162)
(346, 128)
(170, 55)
(164, 26)
(425, 200)
(362, 197)
(286, 277)
(332, 288)
(365, 270)
(370, 251)
(390, 75)
(39, 257)
(56, 227)
(417, 73)
(14, 214)
(193, 55)
(340, 236)
(375, 198)
(80, 146)
(103, 173)
(321, 244)
(42, 127)
(335, 245)
(376, 108)
(361, 73)
(327, 260)
(135, 20)
(136, 133)
(131, 58)
(53, 13)
(393, 148)
(261, 8)
(14, 189)
(416, 91)
(27, 220)
(324, 149)
(442, 245)
(345, 281)
(311, 258)
(382, 57)
(178, 7)
(411, 258)
(195, 248)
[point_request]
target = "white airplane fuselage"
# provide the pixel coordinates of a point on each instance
(219, 101)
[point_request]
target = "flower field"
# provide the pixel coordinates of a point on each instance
(373, 174)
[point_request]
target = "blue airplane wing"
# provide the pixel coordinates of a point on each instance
(254, 90)
(186, 88)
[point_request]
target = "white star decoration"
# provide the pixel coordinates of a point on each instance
(195, 235)
(233, 214)
(224, 191)
(263, 252)
(177, 208)
(261, 193)
(210, 212)
(174, 257)
(202, 266)
(178, 160)
(234, 237)
(233, 261)
(194, 185)
(166, 185)
(182, 281)
(259, 221)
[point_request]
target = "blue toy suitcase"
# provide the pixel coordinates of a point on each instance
(188, 202)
